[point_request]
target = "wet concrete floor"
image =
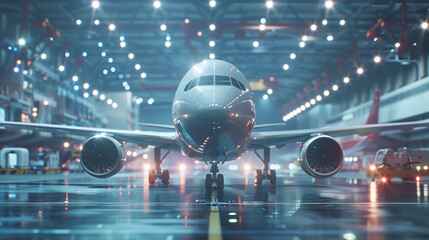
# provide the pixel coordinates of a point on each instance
(77, 206)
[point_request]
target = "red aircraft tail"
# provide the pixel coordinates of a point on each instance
(373, 114)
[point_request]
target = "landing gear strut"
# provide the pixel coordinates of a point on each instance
(157, 173)
(266, 173)
(214, 176)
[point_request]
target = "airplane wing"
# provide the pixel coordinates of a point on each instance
(166, 140)
(280, 138)
(269, 125)
(154, 125)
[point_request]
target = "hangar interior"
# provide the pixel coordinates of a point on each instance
(116, 64)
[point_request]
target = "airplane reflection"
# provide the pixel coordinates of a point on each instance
(374, 224)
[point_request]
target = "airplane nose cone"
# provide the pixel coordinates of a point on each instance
(212, 100)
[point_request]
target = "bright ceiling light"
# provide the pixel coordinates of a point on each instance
(61, 68)
(319, 98)
(346, 80)
(270, 91)
(163, 27)
(110, 60)
(78, 22)
(377, 59)
(86, 85)
(95, 4)
(95, 92)
(265, 97)
(212, 27)
(143, 75)
(130, 55)
(342, 22)
(212, 56)
(21, 41)
(329, 4)
(359, 70)
(103, 54)
(301, 44)
(335, 87)
(285, 66)
(292, 56)
(97, 22)
(43, 56)
(112, 27)
(212, 3)
(109, 101)
(114, 105)
(150, 101)
(397, 45)
(263, 20)
(105, 71)
(325, 22)
(75, 78)
(255, 44)
(212, 43)
(269, 4)
(424, 25)
(261, 27)
(100, 44)
(329, 38)
(137, 66)
(326, 93)
(167, 44)
(302, 108)
(307, 105)
(102, 97)
(85, 95)
(313, 101)
(123, 44)
(313, 27)
(113, 69)
(157, 4)
(304, 38)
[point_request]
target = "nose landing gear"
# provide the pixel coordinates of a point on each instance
(214, 177)
(266, 173)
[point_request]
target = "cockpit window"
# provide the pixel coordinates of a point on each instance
(193, 83)
(238, 84)
(242, 86)
(187, 85)
(222, 80)
(206, 80)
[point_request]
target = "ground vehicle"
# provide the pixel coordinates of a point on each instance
(406, 164)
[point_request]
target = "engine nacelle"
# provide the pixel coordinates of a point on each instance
(321, 156)
(102, 156)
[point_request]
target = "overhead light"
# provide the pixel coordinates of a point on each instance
(137, 66)
(85, 95)
(21, 41)
(304, 38)
(307, 105)
(97, 22)
(313, 27)
(113, 69)
(43, 56)
(61, 68)
(110, 60)
(313, 101)
(95, 92)
(75, 78)
(121, 38)
(123, 44)
(84, 54)
(95, 4)
(377, 59)
(199, 34)
(265, 97)
(342, 22)
(150, 101)
(212, 43)
(255, 44)
(212, 3)
(325, 22)
(286, 66)
(329, 4)
(212, 27)
(187, 20)
(100, 44)
(261, 27)
(318, 98)
(157, 4)
(130, 55)
(335, 87)
(167, 44)
(102, 97)
(212, 56)
(112, 27)
(263, 20)
(397, 45)
(109, 101)
(105, 71)
(86, 85)
(326, 93)
(139, 100)
(269, 4)
(270, 91)
(143, 75)
(163, 27)
(67, 54)
(78, 22)
(359, 71)
(346, 79)
(302, 108)
(329, 38)
(76, 87)
(301, 44)
(292, 56)
(114, 105)
(103, 54)
(424, 25)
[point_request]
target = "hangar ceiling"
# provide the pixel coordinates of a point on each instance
(258, 39)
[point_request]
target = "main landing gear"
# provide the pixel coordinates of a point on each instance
(156, 173)
(214, 177)
(266, 173)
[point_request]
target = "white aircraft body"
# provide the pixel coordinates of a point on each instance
(214, 118)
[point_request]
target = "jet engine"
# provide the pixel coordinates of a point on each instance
(102, 156)
(321, 156)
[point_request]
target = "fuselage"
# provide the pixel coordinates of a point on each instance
(214, 112)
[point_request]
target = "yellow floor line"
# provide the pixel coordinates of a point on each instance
(215, 231)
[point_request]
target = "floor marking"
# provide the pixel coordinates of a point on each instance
(215, 231)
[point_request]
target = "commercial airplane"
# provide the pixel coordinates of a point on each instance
(214, 117)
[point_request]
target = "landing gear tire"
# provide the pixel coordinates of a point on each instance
(152, 176)
(272, 177)
(220, 182)
(165, 177)
(209, 182)
(258, 177)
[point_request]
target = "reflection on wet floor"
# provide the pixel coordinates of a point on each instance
(127, 207)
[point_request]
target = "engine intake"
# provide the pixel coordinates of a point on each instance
(102, 156)
(321, 156)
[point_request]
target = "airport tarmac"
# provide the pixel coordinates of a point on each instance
(77, 206)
